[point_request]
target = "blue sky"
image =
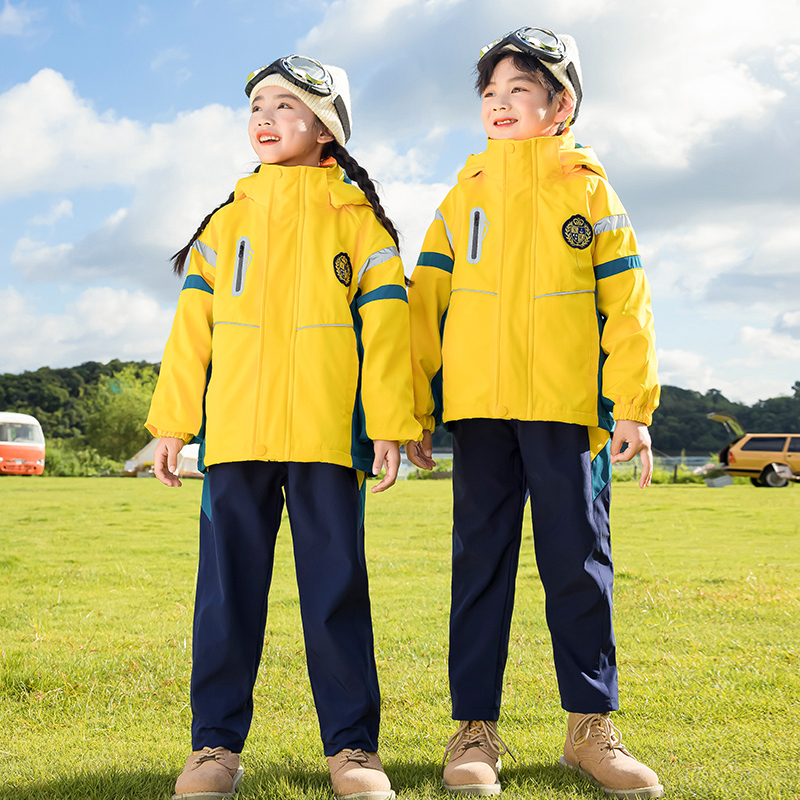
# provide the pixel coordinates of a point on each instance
(122, 125)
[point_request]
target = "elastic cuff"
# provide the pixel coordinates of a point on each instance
(186, 437)
(634, 414)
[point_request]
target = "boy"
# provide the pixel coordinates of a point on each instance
(531, 321)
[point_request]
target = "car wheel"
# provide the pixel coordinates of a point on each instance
(771, 478)
(757, 482)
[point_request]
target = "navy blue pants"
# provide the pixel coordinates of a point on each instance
(237, 544)
(495, 463)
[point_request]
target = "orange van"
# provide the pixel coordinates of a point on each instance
(21, 444)
(768, 459)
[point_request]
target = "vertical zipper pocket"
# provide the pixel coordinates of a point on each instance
(478, 227)
(244, 255)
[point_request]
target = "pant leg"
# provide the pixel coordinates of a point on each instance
(573, 552)
(326, 512)
(237, 546)
(488, 505)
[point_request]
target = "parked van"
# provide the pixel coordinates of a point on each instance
(768, 459)
(21, 444)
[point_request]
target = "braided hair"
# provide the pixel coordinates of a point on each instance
(179, 259)
(358, 174)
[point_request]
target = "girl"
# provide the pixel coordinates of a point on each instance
(289, 358)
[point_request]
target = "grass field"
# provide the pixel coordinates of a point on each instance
(96, 592)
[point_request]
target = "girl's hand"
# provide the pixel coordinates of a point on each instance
(165, 461)
(389, 453)
(420, 454)
(638, 438)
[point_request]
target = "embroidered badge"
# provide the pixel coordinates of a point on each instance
(343, 269)
(577, 232)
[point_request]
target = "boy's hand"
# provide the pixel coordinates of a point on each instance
(638, 438)
(165, 460)
(389, 453)
(420, 454)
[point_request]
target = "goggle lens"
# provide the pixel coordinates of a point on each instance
(539, 37)
(307, 70)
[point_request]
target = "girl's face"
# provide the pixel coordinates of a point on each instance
(516, 106)
(283, 130)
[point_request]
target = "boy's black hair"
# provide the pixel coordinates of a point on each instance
(524, 62)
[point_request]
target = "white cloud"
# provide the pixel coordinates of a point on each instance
(102, 324)
(57, 212)
(17, 20)
(179, 171)
(771, 344)
(677, 74)
(691, 370)
(744, 255)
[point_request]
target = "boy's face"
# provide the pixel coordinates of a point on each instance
(283, 129)
(515, 105)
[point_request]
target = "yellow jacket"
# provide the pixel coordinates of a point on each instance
(528, 300)
(291, 337)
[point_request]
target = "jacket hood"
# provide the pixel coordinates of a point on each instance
(555, 150)
(328, 180)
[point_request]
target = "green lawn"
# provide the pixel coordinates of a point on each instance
(96, 591)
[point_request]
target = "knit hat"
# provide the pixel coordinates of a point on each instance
(567, 72)
(332, 110)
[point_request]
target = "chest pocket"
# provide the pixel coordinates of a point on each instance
(244, 255)
(478, 228)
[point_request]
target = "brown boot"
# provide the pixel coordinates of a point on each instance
(594, 747)
(474, 750)
(209, 774)
(358, 775)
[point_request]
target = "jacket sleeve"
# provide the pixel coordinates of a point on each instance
(429, 298)
(630, 377)
(177, 405)
(381, 312)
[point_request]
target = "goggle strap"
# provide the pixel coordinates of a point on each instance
(341, 110)
(572, 74)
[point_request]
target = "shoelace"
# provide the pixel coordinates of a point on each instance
(597, 726)
(210, 755)
(359, 756)
(476, 733)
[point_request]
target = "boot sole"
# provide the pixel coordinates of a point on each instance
(212, 795)
(626, 794)
(474, 789)
(390, 795)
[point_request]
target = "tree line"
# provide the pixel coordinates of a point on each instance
(97, 411)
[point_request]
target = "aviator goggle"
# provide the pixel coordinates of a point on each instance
(307, 74)
(539, 42)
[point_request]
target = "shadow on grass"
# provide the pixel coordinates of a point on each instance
(271, 780)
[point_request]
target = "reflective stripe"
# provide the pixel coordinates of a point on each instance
(429, 259)
(380, 257)
(208, 254)
(612, 223)
(616, 266)
(439, 215)
(238, 324)
(392, 292)
(474, 291)
(196, 282)
(306, 327)
(560, 294)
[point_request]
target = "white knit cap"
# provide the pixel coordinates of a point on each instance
(323, 106)
(567, 72)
